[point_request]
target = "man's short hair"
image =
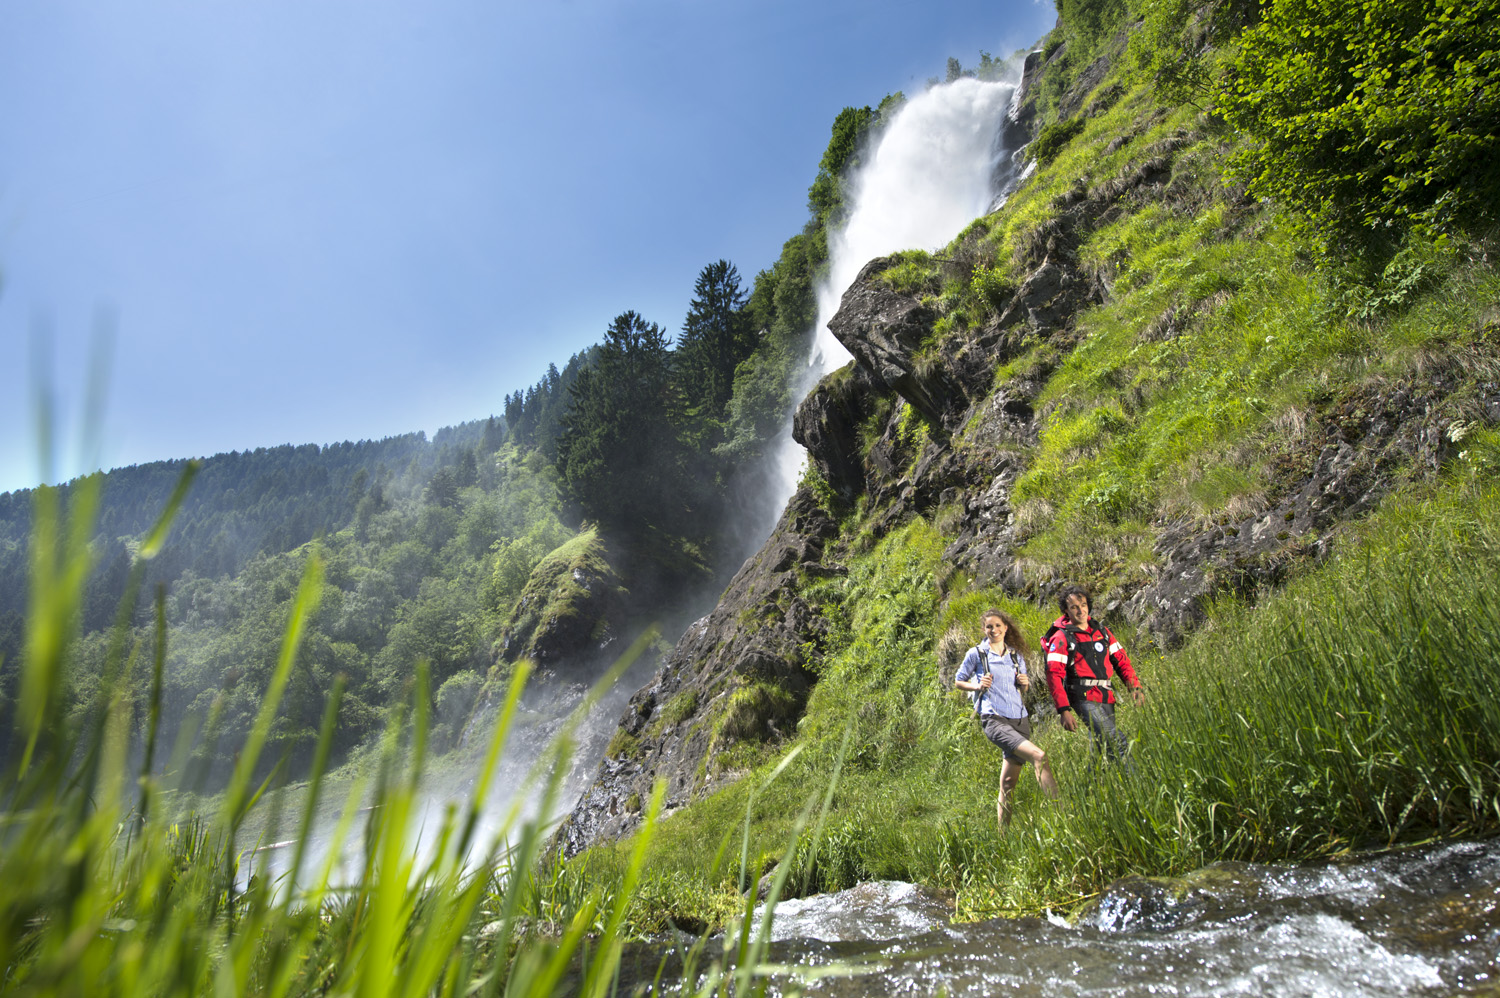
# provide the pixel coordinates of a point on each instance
(1062, 598)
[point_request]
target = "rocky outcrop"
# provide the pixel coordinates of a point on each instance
(574, 602)
(738, 675)
(886, 332)
(827, 424)
(1361, 447)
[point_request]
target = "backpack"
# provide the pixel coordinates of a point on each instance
(984, 663)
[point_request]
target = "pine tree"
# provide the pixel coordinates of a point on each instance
(619, 455)
(716, 336)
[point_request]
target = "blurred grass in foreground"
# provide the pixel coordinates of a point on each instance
(106, 891)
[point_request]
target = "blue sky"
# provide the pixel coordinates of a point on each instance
(312, 221)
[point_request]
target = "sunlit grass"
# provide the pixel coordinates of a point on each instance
(111, 888)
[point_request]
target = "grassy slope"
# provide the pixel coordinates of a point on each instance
(1274, 734)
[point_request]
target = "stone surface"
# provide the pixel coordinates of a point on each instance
(737, 674)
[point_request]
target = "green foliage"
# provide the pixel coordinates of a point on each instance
(1053, 137)
(516, 558)
(622, 745)
(993, 286)
(912, 429)
(1177, 43)
(828, 496)
(619, 452)
(1088, 24)
(825, 198)
(1413, 270)
(912, 272)
(1372, 116)
(716, 337)
(1319, 740)
(534, 417)
(1182, 397)
(1086, 29)
(680, 707)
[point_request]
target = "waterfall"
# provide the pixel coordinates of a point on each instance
(937, 165)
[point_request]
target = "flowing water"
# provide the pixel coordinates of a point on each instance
(1422, 921)
(939, 163)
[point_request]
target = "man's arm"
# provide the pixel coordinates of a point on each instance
(1121, 662)
(1057, 670)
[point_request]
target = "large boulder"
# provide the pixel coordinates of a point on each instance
(887, 332)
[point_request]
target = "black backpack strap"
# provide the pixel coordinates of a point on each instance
(985, 665)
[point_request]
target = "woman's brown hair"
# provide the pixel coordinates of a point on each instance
(1014, 640)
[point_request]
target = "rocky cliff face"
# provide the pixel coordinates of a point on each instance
(738, 674)
(742, 673)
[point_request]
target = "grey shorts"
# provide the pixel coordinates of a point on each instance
(1008, 733)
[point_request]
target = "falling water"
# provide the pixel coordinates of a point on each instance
(935, 167)
(931, 174)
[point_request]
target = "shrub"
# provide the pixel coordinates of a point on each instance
(1372, 116)
(1056, 135)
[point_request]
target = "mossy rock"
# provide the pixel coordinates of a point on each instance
(568, 603)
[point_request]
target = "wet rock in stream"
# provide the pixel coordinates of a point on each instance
(1421, 921)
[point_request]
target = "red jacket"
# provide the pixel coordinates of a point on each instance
(1105, 648)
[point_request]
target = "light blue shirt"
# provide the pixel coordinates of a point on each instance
(1002, 698)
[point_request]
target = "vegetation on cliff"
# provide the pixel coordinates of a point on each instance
(1267, 445)
(1270, 450)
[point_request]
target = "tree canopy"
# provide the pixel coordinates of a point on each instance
(1370, 117)
(716, 336)
(618, 453)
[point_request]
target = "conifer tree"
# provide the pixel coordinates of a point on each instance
(716, 336)
(618, 454)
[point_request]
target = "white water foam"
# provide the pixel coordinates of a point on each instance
(930, 173)
(929, 176)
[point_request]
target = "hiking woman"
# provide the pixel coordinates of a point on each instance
(995, 671)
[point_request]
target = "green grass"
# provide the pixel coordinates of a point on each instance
(112, 888)
(1355, 708)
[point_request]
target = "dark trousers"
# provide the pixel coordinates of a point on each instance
(1104, 738)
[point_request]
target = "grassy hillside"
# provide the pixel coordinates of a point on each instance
(1336, 693)
(1232, 367)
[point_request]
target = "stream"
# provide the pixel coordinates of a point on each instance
(1418, 921)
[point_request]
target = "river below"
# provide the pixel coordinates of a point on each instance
(1420, 921)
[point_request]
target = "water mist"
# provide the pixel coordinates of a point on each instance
(936, 166)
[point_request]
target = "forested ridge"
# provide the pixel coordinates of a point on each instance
(429, 545)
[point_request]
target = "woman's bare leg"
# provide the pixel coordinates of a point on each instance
(1010, 775)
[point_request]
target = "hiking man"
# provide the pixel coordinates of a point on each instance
(1082, 658)
(995, 672)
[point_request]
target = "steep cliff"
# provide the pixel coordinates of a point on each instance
(1082, 387)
